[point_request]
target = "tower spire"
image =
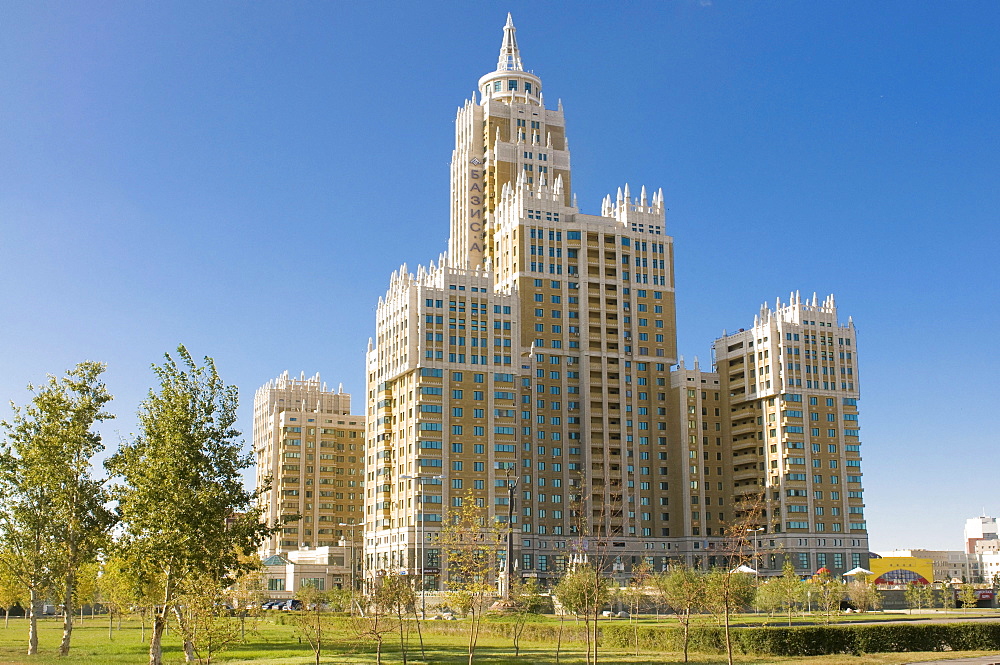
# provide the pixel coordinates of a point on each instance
(510, 55)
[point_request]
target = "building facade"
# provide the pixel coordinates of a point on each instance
(792, 386)
(948, 565)
(978, 529)
(310, 449)
(536, 360)
(324, 568)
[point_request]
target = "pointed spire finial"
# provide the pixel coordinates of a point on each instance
(510, 55)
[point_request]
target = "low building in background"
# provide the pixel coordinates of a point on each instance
(901, 570)
(324, 568)
(948, 565)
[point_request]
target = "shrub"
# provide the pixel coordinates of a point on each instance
(814, 640)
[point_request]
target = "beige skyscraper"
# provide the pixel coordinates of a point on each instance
(538, 351)
(792, 383)
(312, 449)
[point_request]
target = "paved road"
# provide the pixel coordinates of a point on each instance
(981, 660)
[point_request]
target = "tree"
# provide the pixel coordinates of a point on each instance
(831, 592)
(375, 621)
(731, 588)
(469, 540)
(206, 622)
(767, 598)
(117, 590)
(247, 592)
(635, 594)
(727, 591)
(863, 594)
(311, 621)
(401, 598)
(947, 596)
(584, 591)
(683, 590)
(526, 600)
(53, 514)
(85, 592)
(179, 488)
(967, 595)
(789, 589)
(11, 592)
(915, 595)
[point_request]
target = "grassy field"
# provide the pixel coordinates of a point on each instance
(272, 642)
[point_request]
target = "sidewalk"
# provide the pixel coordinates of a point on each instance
(980, 660)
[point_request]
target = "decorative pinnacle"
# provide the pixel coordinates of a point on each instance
(510, 56)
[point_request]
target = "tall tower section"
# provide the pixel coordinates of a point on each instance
(535, 352)
(507, 135)
(791, 381)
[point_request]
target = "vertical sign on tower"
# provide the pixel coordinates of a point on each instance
(475, 203)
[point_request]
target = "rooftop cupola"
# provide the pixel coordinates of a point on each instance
(510, 82)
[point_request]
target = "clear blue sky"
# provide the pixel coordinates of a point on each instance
(242, 177)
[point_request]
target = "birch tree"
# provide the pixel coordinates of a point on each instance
(53, 514)
(184, 509)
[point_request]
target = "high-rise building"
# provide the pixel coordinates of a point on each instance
(978, 529)
(311, 448)
(791, 382)
(538, 352)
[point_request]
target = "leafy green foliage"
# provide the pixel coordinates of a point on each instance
(682, 589)
(470, 541)
(179, 486)
(864, 596)
(584, 592)
(830, 591)
(52, 516)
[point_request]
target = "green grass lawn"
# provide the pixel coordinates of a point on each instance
(445, 643)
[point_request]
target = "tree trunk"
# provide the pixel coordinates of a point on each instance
(402, 643)
(420, 634)
(67, 614)
(562, 619)
(687, 633)
(188, 645)
(597, 613)
(319, 634)
(156, 638)
(33, 622)
(472, 629)
(729, 642)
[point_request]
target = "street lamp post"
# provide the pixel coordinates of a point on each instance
(509, 559)
(353, 564)
(756, 544)
(420, 550)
